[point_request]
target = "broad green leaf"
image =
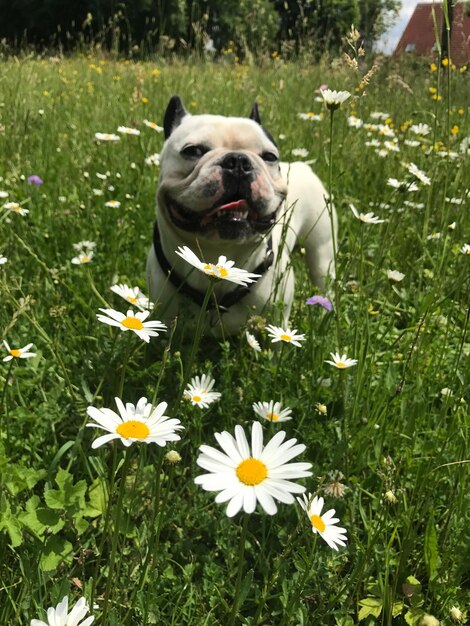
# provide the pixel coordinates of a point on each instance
(369, 606)
(56, 550)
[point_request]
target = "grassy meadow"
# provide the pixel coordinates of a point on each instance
(128, 528)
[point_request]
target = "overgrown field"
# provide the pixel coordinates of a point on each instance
(128, 528)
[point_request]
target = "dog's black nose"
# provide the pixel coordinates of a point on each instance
(236, 162)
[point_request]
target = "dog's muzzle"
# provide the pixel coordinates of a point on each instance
(236, 214)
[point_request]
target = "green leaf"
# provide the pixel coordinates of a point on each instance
(42, 520)
(98, 499)
(431, 549)
(68, 497)
(413, 616)
(56, 550)
(397, 608)
(369, 606)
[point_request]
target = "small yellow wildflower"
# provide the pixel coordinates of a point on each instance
(144, 100)
(454, 130)
(445, 62)
(433, 67)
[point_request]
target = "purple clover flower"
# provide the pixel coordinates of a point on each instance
(35, 180)
(321, 300)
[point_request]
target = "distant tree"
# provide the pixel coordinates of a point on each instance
(375, 17)
(323, 23)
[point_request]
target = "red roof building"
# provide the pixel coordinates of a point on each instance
(419, 35)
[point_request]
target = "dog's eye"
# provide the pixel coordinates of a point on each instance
(194, 151)
(269, 157)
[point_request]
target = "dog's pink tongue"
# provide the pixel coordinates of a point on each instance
(237, 205)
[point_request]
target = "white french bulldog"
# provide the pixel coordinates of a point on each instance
(223, 191)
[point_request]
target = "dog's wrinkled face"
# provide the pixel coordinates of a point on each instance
(220, 177)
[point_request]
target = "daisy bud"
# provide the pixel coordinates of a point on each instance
(390, 497)
(456, 614)
(429, 620)
(173, 457)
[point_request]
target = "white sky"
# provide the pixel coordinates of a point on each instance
(390, 39)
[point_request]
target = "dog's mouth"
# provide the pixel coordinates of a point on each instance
(231, 219)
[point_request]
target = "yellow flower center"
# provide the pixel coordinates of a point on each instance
(252, 471)
(318, 523)
(133, 323)
(272, 416)
(15, 352)
(197, 398)
(340, 364)
(285, 337)
(222, 271)
(84, 259)
(132, 299)
(133, 429)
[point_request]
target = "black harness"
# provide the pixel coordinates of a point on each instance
(228, 299)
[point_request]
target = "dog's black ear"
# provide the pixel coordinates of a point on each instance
(174, 113)
(254, 115)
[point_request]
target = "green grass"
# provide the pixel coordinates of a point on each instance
(388, 427)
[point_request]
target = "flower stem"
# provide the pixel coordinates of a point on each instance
(115, 538)
(3, 403)
(197, 340)
(333, 231)
(241, 554)
(299, 589)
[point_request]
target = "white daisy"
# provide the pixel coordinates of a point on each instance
(153, 125)
(395, 275)
(354, 121)
(18, 353)
(385, 131)
(107, 137)
(252, 342)
(81, 246)
(83, 257)
(153, 159)
(97, 192)
(142, 423)
(402, 185)
(420, 129)
(324, 525)
(310, 117)
(373, 143)
(272, 411)
(379, 115)
(132, 295)
(132, 321)
(465, 249)
(420, 175)
(113, 204)
(61, 617)
(3, 260)
(15, 207)
(342, 361)
(3, 194)
(412, 143)
(334, 99)
(243, 476)
(284, 334)
(223, 269)
(299, 152)
(125, 130)
(392, 146)
(367, 218)
(199, 391)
